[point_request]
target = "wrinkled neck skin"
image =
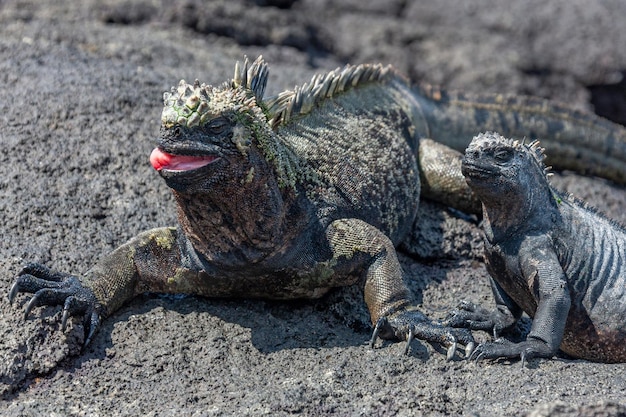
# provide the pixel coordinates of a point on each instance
(240, 220)
(527, 205)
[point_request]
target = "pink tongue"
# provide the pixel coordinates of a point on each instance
(162, 160)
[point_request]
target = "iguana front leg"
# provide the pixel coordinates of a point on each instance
(386, 295)
(135, 267)
(541, 271)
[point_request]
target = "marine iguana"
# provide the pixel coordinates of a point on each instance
(289, 196)
(549, 255)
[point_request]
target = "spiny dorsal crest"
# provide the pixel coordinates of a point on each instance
(193, 105)
(301, 100)
(253, 77)
(537, 152)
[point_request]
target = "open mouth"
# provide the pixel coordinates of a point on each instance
(166, 161)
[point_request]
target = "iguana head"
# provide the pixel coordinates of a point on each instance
(503, 171)
(214, 134)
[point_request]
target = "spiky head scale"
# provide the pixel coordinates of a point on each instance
(195, 104)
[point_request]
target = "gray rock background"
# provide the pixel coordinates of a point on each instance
(78, 118)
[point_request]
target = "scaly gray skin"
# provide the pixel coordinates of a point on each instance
(290, 196)
(549, 255)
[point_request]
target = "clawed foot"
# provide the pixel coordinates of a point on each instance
(471, 316)
(409, 325)
(57, 288)
(502, 348)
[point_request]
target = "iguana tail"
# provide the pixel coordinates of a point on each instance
(574, 140)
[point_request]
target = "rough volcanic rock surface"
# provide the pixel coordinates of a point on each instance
(79, 113)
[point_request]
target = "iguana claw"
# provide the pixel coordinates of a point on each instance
(502, 348)
(56, 288)
(382, 322)
(409, 339)
(409, 325)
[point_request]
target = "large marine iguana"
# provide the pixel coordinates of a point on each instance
(549, 255)
(289, 196)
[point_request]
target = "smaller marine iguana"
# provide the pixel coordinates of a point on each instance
(548, 254)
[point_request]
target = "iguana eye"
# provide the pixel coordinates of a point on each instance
(218, 126)
(503, 155)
